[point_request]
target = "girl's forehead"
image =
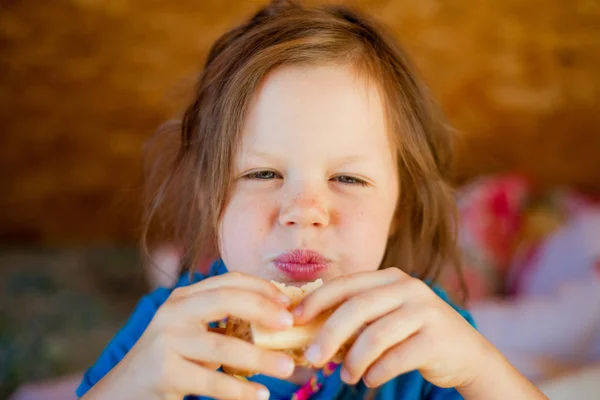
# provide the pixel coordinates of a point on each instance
(329, 105)
(315, 82)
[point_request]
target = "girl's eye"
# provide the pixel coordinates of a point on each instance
(262, 175)
(349, 180)
(269, 175)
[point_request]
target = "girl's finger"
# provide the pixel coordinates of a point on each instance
(201, 381)
(341, 289)
(211, 366)
(350, 317)
(219, 349)
(406, 356)
(378, 338)
(235, 280)
(216, 304)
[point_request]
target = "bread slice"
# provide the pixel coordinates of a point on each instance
(240, 329)
(293, 341)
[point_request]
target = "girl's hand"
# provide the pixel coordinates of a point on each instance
(177, 355)
(408, 327)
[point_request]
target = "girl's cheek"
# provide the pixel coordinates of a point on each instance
(249, 219)
(356, 215)
(367, 229)
(265, 210)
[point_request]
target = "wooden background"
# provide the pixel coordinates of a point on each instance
(85, 82)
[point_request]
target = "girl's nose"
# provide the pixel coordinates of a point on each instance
(304, 211)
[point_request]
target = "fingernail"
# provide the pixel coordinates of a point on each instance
(313, 354)
(263, 394)
(286, 366)
(345, 375)
(286, 319)
(284, 299)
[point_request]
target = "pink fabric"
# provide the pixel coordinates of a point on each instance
(314, 384)
(533, 272)
(55, 389)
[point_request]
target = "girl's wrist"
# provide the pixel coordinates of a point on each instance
(116, 386)
(496, 378)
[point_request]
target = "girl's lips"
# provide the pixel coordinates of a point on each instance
(301, 272)
(301, 264)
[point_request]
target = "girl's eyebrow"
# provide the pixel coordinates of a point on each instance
(276, 158)
(263, 154)
(344, 160)
(352, 159)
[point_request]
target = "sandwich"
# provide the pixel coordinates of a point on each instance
(292, 341)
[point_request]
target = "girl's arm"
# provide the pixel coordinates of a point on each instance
(499, 380)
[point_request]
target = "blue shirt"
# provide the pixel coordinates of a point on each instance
(409, 386)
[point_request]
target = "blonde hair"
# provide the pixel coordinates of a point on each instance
(186, 203)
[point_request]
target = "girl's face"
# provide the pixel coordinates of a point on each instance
(315, 171)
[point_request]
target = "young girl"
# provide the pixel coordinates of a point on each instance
(311, 151)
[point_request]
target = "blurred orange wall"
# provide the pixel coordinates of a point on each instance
(85, 82)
